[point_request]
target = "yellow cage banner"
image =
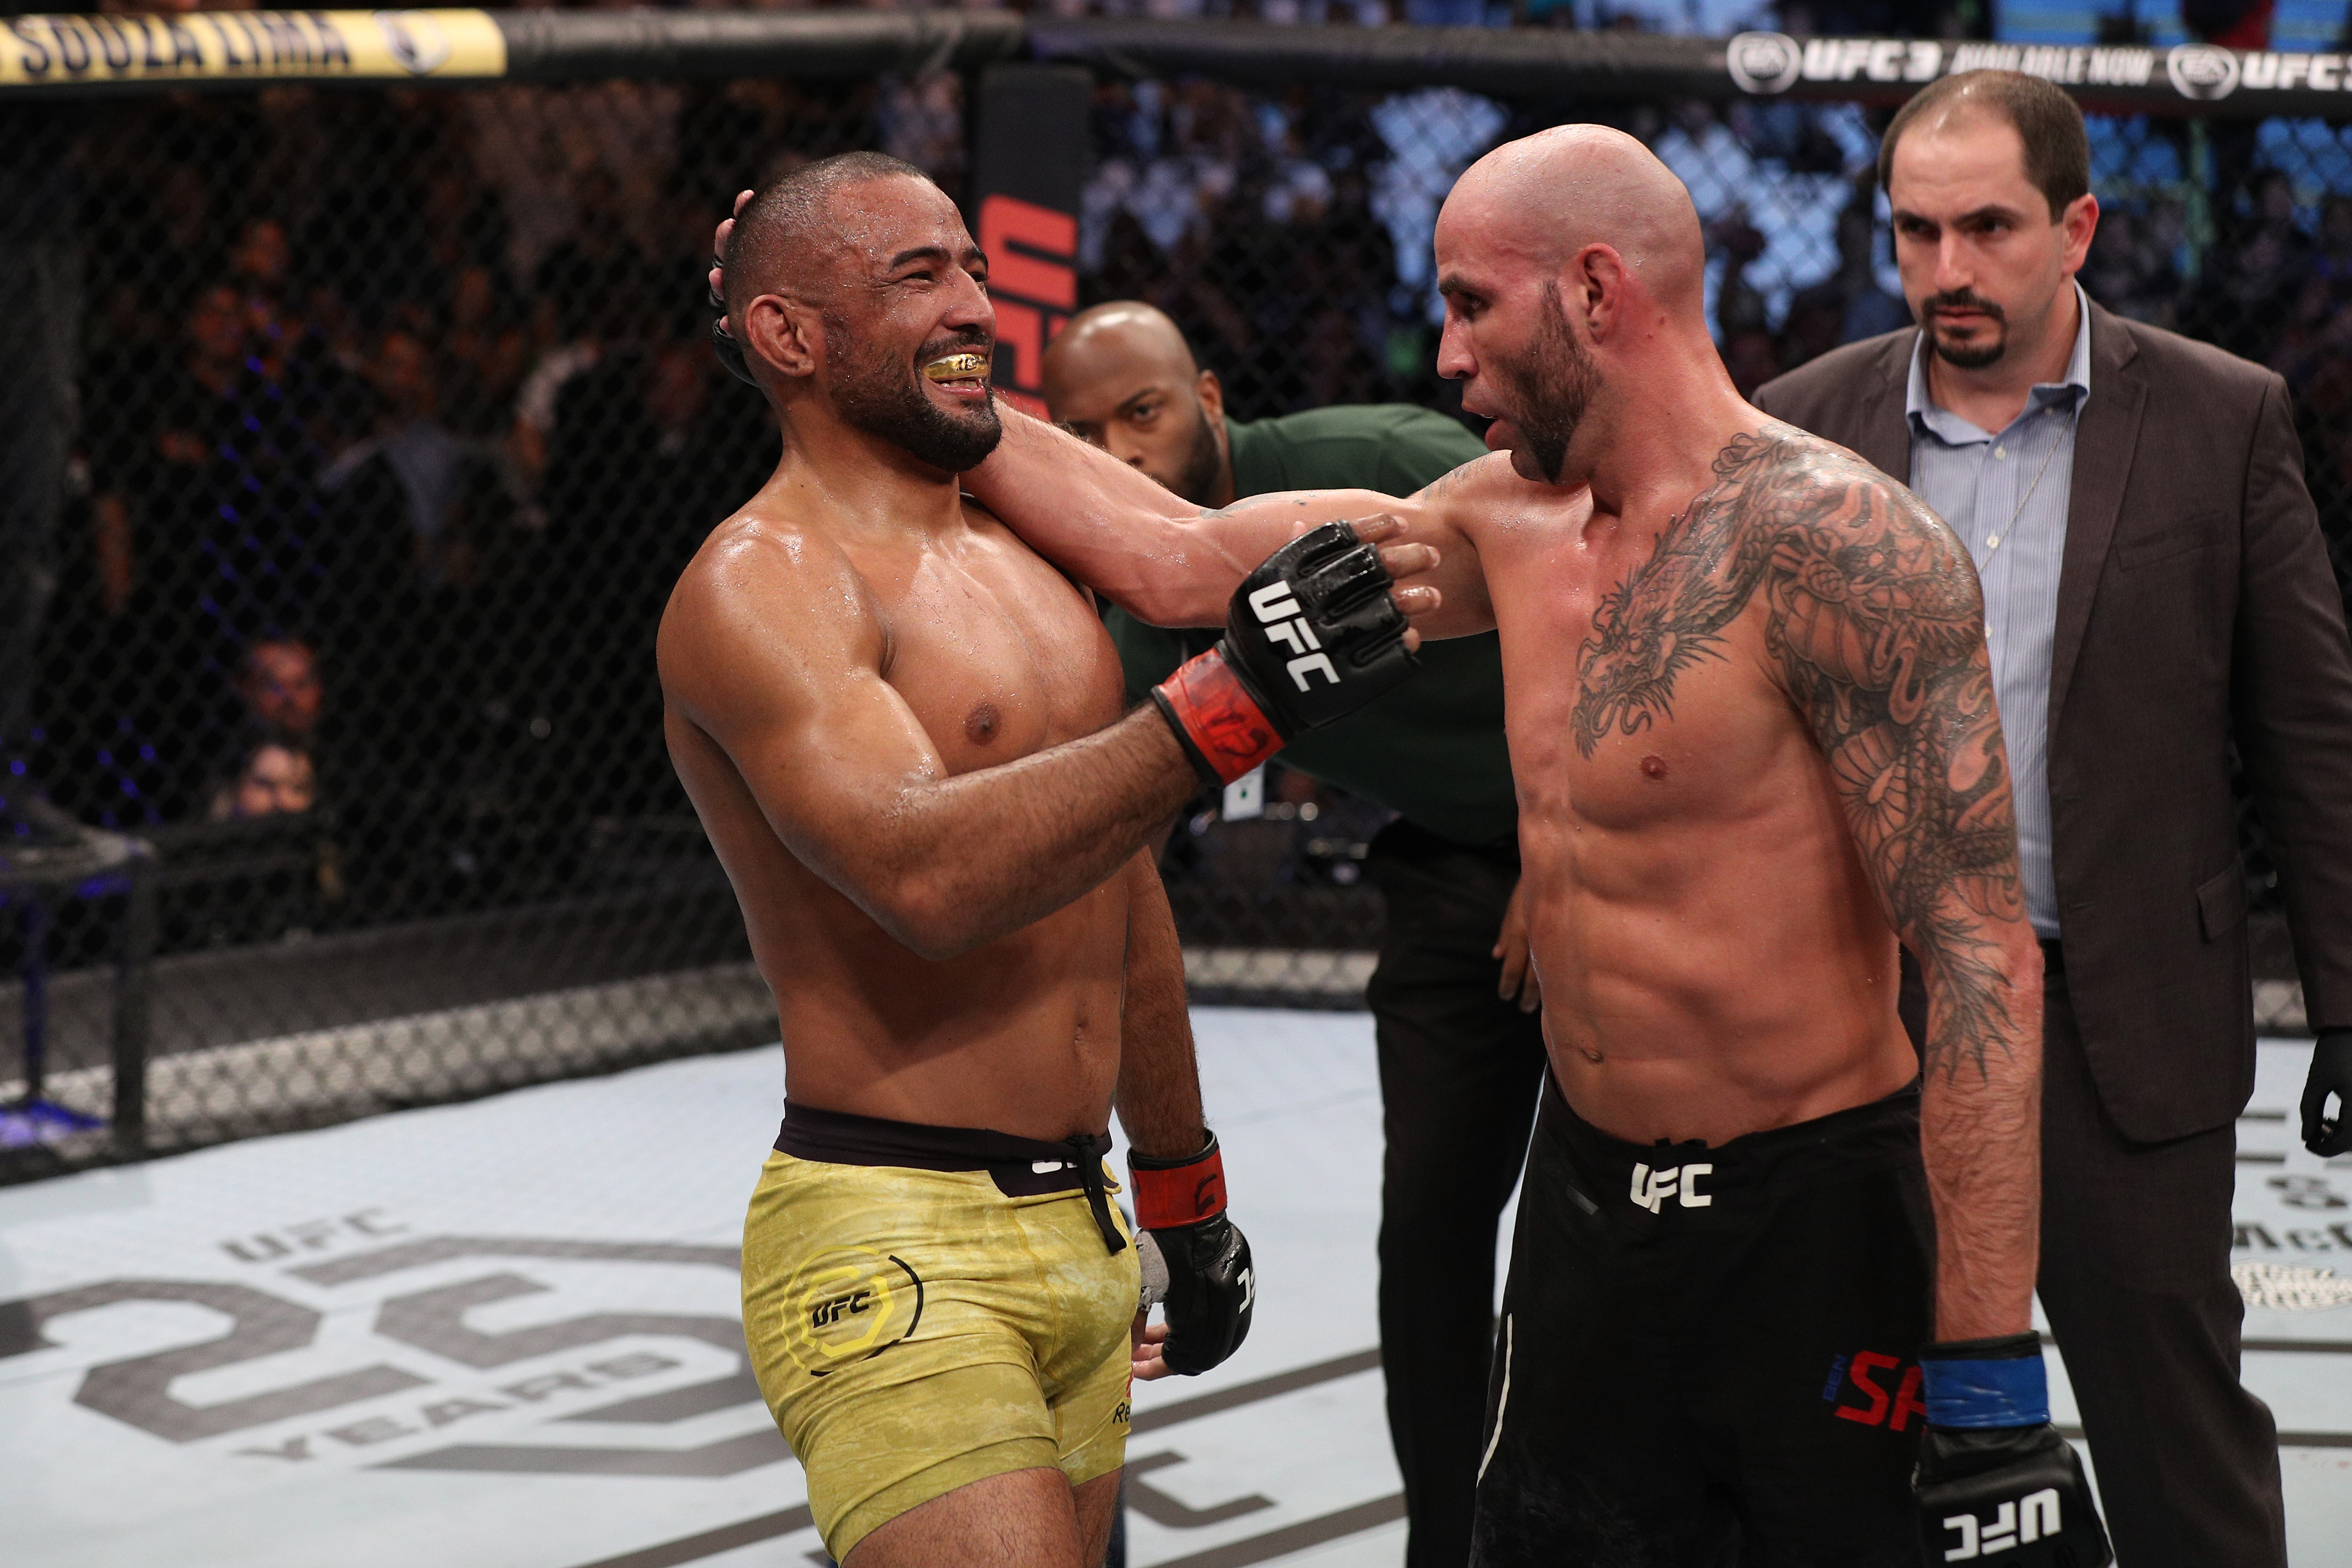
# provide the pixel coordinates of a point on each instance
(250, 46)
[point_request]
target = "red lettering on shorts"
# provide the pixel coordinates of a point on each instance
(1859, 1374)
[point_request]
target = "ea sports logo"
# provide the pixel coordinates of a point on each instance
(2202, 71)
(1764, 62)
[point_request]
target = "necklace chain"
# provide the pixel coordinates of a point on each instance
(1994, 543)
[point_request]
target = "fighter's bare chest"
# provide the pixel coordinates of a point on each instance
(1638, 686)
(996, 653)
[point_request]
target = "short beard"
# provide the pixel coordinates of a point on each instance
(1553, 387)
(885, 398)
(1976, 358)
(1197, 481)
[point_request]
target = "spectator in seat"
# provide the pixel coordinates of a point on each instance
(276, 780)
(278, 684)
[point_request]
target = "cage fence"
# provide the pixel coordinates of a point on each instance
(395, 421)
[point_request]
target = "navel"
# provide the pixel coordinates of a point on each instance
(981, 727)
(1588, 1053)
(1653, 767)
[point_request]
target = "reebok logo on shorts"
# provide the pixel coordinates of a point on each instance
(846, 1304)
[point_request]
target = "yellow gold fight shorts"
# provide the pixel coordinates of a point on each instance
(926, 1306)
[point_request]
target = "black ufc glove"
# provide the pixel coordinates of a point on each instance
(1994, 1478)
(723, 342)
(2331, 1073)
(1210, 1285)
(1310, 636)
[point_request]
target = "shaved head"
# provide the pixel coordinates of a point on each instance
(785, 238)
(1125, 332)
(1121, 376)
(1549, 195)
(1571, 265)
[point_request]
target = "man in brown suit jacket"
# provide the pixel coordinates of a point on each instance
(2156, 588)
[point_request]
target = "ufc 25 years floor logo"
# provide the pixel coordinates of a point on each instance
(449, 1372)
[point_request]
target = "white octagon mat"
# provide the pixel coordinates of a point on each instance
(502, 1335)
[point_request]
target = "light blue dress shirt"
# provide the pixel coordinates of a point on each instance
(2005, 494)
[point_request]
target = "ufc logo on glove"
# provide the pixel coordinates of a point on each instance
(2012, 1523)
(1276, 607)
(1325, 597)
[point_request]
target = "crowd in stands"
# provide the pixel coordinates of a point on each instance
(402, 400)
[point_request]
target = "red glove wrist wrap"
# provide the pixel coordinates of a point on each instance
(1185, 1195)
(1213, 715)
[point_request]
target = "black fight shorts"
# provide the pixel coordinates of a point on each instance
(1708, 1357)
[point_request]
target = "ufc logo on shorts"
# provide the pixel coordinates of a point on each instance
(2012, 1523)
(1653, 1188)
(1277, 612)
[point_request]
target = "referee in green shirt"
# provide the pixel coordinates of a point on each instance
(1461, 1051)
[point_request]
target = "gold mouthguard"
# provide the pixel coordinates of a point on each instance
(955, 367)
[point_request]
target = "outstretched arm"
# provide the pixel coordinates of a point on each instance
(771, 652)
(1161, 558)
(1168, 562)
(1877, 627)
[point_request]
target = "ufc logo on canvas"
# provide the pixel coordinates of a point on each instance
(1653, 1188)
(1277, 612)
(2012, 1523)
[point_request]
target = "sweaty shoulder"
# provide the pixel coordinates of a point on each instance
(760, 590)
(1788, 479)
(1841, 533)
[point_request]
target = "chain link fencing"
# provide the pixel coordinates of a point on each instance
(396, 422)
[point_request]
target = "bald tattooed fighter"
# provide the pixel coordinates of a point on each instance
(1767, 1261)
(903, 734)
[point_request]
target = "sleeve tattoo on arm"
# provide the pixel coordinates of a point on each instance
(1875, 630)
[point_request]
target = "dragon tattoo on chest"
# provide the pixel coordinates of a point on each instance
(1872, 626)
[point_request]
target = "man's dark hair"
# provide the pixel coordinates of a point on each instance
(2057, 148)
(784, 215)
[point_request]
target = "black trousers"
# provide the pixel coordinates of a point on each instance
(2136, 1279)
(1460, 1072)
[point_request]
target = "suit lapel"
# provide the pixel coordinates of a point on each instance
(2103, 443)
(1885, 443)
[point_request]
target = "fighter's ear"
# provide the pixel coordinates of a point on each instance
(1599, 274)
(781, 333)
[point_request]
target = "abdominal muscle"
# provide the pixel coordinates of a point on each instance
(1020, 1035)
(1703, 979)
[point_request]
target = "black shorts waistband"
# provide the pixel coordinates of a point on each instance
(1021, 1167)
(1878, 1135)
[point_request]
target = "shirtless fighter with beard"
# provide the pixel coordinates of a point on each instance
(1753, 729)
(903, 734)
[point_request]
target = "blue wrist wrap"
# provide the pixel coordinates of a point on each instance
(2009, 1393)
